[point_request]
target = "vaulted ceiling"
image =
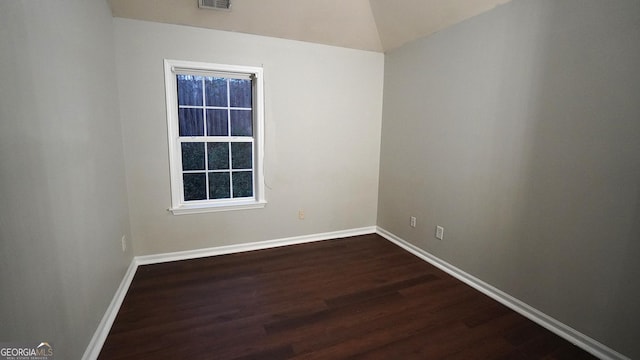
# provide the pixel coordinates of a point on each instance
(375, 25)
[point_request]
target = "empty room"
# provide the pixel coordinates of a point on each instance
(371, 179)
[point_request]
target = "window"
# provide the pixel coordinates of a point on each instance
(215, 125)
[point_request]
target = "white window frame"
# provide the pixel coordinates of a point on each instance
(178, 205)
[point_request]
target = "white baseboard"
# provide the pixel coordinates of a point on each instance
(95, 345)
(577, 338)
(100, 335)
(259, 245)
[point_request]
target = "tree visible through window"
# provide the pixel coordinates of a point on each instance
(216, 148)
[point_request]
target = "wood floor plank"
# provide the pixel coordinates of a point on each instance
(360, 297)
(378, 291)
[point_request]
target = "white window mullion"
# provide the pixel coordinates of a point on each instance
(229, 134)
(204, 111)
(206, 168)
(230, 172)
(229, 107)
(212, 107)
(206, 152)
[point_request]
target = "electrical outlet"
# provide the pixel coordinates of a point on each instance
(124, 243)
(412, 221)
(439, 232)
(301, 214)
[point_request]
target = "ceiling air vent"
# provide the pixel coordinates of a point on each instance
(215, 4)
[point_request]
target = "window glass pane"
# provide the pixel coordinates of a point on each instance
(217, 124)
(219, 185)
(240, 92)
(215, 91)
(189, 90)
(193, 156)
(218, 154)
(191, 122)
(241, 155)
(242, 183)
(195, 186)
(241, 123)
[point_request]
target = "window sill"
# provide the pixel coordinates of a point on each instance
(199, 209)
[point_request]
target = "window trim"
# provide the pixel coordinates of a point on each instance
(178, 206)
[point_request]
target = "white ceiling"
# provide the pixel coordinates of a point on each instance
(376, 25)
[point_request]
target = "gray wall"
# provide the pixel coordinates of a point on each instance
(519, 132)
(323, 114)
(62, 186)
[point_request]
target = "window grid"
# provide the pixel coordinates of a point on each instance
(229, 139)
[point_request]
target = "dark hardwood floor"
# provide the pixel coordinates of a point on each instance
(361, 297)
